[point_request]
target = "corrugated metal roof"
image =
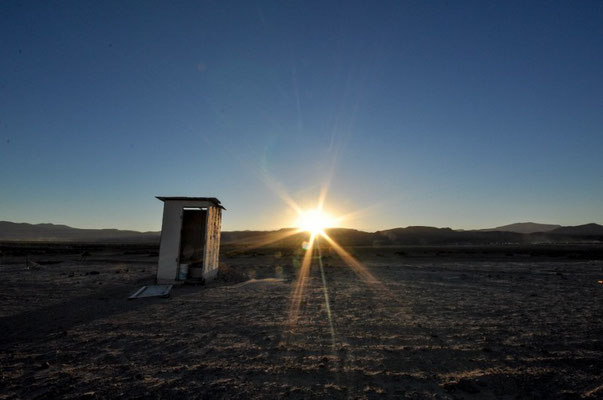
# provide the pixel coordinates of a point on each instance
(180, 198)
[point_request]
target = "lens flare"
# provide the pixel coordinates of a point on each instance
(314, 221)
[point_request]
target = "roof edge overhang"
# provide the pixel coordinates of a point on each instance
(213, 200)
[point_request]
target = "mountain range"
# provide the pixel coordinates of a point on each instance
(526, 232)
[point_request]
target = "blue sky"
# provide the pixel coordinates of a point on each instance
(460, 114)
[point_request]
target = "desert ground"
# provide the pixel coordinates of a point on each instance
(447, 323)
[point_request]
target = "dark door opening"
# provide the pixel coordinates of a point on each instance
(192, 235)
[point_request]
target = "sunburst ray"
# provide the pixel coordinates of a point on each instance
(300, 284)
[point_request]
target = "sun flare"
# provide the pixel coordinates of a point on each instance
(314, 221)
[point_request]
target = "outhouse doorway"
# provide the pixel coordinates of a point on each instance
(192, 235)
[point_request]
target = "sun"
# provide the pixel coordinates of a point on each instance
(314, 221)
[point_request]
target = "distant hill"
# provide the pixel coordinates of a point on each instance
(524, 227)
(412, 235)
(418, 235)
(288, 237)
(12, 231)
(580, 230)
(425, 235)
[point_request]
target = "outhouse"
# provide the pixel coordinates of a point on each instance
(190, 239)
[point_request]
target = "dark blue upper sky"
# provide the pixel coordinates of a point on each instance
(461, 114)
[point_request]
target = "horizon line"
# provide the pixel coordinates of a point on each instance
(292, 227)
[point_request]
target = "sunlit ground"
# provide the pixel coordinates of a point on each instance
(508, 327)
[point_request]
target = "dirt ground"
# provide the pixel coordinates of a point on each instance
(446, 327)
